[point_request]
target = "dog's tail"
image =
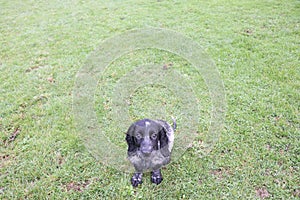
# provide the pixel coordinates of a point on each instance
(174, 123)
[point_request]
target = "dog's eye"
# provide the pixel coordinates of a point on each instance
(154, 136)
(138, 136)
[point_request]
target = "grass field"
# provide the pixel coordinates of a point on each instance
(255, 45)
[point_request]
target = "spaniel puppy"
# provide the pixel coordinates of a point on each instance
(149, 148)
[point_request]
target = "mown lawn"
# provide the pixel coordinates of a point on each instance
(255, 46)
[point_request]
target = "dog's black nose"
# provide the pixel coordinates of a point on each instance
(146, 150)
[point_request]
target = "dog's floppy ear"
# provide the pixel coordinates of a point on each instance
(164, 142)
(132, 147)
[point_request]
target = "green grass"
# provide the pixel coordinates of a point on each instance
(255, 46)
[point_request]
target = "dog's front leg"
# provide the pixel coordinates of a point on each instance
(156, 176)
(136, 179)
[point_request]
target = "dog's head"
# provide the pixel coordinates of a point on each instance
(147, 136)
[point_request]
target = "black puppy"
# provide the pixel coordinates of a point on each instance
(149, 148)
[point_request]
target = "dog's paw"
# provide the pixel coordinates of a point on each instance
(156, 177)
(136, 179)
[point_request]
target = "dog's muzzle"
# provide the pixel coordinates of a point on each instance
(146, 147)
